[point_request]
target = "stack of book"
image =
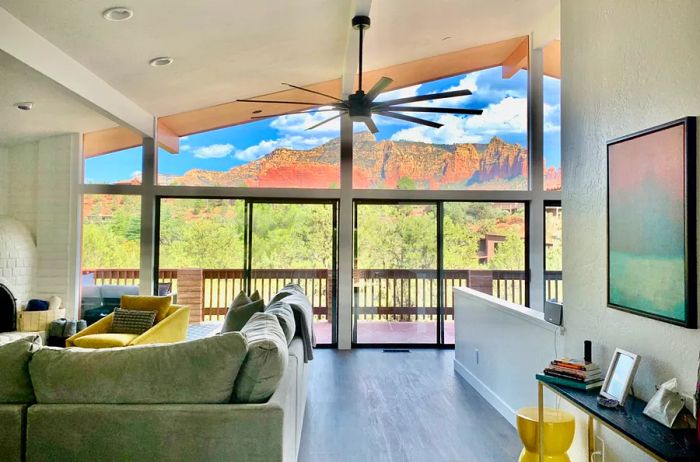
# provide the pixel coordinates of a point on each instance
(574, 373)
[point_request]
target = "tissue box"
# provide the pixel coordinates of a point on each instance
(38, 321)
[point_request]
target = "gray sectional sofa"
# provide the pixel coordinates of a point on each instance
(155, 402)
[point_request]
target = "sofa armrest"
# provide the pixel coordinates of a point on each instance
(171, 329)
(100, 327)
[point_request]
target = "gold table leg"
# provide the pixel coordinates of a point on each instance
(540, 420)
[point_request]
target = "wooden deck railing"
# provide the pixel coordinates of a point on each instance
(378, 293)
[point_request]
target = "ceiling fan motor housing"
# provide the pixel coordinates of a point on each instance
(360, 22)
(358, 106)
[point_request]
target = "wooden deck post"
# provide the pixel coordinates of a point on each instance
(481, 280)
(190, 292)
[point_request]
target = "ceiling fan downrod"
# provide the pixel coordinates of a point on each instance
(360, 23)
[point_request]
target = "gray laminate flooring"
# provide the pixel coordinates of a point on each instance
(370, 406)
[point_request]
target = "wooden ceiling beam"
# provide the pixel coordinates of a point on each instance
(517, 59)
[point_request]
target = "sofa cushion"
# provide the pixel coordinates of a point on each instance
(285, 316)
(15, 383)
(198, 372)
(132, 321)
(148, 303)
(240, 300)
(266, 361)
(104, 340)
(238, 316)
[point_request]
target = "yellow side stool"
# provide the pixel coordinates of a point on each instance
(559, 427)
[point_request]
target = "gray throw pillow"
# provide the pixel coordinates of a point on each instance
(240, 300)
(265, 362)
(15, 382)
(285, 316)
(198, 372)
(237, 316)
(132, 321)
(255, 296)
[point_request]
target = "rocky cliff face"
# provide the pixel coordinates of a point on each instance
(378, 164)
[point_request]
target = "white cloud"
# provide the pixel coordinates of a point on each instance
(214, 151)
(289, 141)
(298, 123)
(504, 117)
(185, 147)
(406, 92)
(552, 117)
(136, 173)
(183, 138)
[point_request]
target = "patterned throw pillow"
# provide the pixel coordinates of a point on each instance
(132, 321)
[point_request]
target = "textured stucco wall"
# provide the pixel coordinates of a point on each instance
(626, 65)
(41, 194)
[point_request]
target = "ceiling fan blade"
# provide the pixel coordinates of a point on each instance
(413, 99)
(440, 110)
(312, 91)
(407, 118)
(279, 102)
(371, 125)
(324, 122)
(378, 88)
(300, 111)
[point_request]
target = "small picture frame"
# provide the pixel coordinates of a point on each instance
(620, 375)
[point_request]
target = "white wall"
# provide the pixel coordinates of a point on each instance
(514, 344)
(3, 181)
(41, 184)
(626, 65)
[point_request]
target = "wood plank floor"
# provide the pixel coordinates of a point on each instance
(370, 406)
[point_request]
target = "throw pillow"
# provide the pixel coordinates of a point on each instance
(255, 296)
(238, 316)
(285, 316)
(240, 300)
(265, 362)
(132, 321)
(15, 383)
(148, 303)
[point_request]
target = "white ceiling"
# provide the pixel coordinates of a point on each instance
(227, 49)
(56, 111)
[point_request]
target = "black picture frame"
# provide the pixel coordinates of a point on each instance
(689, 218)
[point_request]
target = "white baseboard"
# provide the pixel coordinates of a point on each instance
(492, 398)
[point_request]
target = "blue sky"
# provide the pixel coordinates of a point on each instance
(503, 101)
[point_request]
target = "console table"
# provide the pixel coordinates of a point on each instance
(658, 441)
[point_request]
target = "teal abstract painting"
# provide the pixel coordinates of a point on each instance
(651, 234)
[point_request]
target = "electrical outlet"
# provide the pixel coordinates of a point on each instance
(476, 355)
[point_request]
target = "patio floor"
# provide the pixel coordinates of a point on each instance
(370, 332)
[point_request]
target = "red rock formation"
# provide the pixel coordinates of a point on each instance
(381, 164)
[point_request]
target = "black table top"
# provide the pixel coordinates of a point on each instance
(668, 444)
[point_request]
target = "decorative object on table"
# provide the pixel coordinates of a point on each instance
(651, 223)
(575, 373)
(666, 403)
(620, 376)
(587, 351)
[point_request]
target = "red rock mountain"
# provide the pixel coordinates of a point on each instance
(378, 164)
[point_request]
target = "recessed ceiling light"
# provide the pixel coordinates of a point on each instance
(118, 13)
(24, 106)
(257, 111)
(161, 61)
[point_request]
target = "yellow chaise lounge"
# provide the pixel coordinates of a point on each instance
(171, 328)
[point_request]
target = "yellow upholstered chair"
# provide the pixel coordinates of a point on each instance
(173, 328)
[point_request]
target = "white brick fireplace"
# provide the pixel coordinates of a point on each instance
(17, 258)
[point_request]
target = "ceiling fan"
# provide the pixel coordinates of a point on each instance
(360, 106)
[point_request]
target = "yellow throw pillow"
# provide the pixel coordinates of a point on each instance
(160, 305)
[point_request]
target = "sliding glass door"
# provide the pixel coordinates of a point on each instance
(396, 291)
(295, 242)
